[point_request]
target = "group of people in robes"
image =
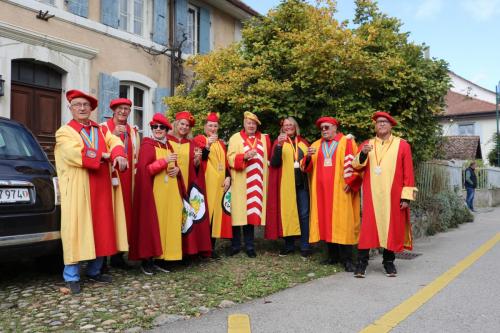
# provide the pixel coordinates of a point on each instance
(170, 196)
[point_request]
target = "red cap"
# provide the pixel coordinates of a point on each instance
(379, 114)
(200, 141)
(213, 116)
(72, 94)
(185, 115)
(119, 101)
(159, 118)
(329, 120)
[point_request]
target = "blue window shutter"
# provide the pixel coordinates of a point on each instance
(205, 26)
(109, 13)
(181, 11)
(160, 22)
(78, 7)
(160, 93)
(109, 89)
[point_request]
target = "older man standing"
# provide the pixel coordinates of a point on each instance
(248, 156)
(388, 187)
(84, 153)
(334, 213)
(123, 181)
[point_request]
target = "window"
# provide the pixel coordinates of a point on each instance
(193, 30)
(48, 2)
(466, 129)
(16, 143)
(131, 16)
(137, 94)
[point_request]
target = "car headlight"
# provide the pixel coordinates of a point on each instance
(57, 193)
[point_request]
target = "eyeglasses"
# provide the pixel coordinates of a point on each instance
(158, 126)
(80, 105)
(123, 109)
(325, 127)
(382, 122)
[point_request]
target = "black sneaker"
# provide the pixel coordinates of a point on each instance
(147, 268)
(117, 261)
(160, 266)
(285, 252)
(251, 253)
(215, 256)
(349, 266)
(74, 286)
(233, 252)
(305, 253)
(390, 269)
(360, 270)
(103, 278)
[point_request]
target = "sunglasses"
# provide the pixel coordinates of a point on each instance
(325, 128)
(158, 126)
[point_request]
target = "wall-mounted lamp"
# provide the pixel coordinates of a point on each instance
(2, 81)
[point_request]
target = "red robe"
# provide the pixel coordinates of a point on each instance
(101, 198)
(274, 218)
(145, 233)
(384, 223)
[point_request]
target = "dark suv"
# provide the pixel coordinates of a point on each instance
(29, 196)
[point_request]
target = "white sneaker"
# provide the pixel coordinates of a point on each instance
(161, 269)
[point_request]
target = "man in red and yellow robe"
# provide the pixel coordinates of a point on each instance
(123, 182)
(248, 156)
(388, 186)
(84, 154)
(334, 216)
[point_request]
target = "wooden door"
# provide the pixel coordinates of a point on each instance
(40, 110)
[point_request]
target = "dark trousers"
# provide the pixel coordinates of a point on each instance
(248, 237)
(469, 199)
(303, 210)
(363, 255)
(340, 252)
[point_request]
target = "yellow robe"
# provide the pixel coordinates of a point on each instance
(214, 179)
(239, 181)
(76, 215)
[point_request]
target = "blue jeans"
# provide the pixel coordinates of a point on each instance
(72, 272)
(303, 210)
(469, 199)
(248, 236)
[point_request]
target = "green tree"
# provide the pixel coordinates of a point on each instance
(300, 61)
(492, 155)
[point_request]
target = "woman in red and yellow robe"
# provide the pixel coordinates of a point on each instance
(288, 194)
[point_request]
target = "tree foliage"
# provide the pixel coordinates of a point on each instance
(300, 61)
(493, 154)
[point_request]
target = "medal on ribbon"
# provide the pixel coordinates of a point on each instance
(328, 151)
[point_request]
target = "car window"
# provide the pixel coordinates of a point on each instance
(16, 143)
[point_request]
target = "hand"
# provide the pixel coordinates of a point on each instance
(197, 156)
(212, 139)
(119, 129)
(347, 188)
(311, 151)
(250, 154)
(227, 183)
(105, 156)
(171, 158)
(403, 205)
(172, 172)
(282, 138)
(121, 162)
(366, 149)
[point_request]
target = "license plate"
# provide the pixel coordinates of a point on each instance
(12, 195)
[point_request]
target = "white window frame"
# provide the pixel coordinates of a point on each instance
(55, 3)
(147, 20)
(463, 125)
(195, 43)
(146, 106)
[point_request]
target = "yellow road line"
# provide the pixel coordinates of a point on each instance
(392, 318)
(238, 323)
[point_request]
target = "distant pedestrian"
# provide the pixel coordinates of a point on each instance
(84, 154)
(388, 187)
(470, 184)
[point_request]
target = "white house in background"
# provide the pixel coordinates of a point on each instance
(470, 111)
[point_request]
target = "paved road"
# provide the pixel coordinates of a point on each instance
(341, 303)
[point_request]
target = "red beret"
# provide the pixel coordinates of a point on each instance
(329, 120)
(72, 94)
(185, 115)
(119, 101)
(212, 116)
(159, 118)
(200, 141)
(379, 114)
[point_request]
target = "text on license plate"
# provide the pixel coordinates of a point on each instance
(9, 195)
